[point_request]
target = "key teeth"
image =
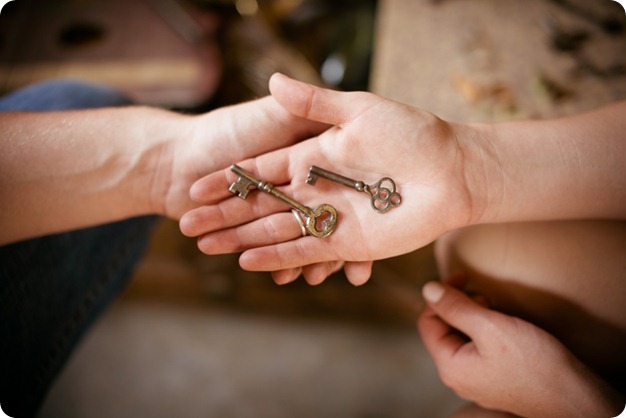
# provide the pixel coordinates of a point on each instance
(237, 190)
(311, 180)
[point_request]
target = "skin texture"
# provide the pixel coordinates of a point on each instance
(71, 169)
(65, 170)
(504, 363)
(62, 170)
(449, 175)
(354, 149)
(566, 277)
(551, 311)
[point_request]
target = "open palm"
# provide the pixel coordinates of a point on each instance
(370, 138)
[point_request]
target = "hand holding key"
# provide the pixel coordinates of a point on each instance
(370, 138)
(320, 222)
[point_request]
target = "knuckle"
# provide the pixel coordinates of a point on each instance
(271, 228)
(450, 378)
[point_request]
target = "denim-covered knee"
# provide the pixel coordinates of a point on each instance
(62, 95)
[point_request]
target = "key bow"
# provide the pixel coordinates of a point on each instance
(383, 198)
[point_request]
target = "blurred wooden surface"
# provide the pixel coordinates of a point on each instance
(174, 270)
(157, 51)
(458, 59)
(484, 60)
(470, 60)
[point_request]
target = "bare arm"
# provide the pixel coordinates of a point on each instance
(450, 176)
(568, 168)
(70, 169)
(64, 170)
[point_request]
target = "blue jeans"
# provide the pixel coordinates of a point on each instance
(52, 288)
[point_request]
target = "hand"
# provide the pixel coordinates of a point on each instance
(217, 139)
(228, 135)
(475, 411)
(371, 138)
(504, 363)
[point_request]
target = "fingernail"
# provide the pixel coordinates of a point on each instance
(433, 291)
(279, 75)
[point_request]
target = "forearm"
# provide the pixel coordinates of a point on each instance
(65, 170)
(570, 168)
(581, 393)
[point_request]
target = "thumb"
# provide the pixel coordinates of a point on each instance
(319, 104)
(456, 308)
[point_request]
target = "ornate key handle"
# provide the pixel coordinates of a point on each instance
(383, 198)
(320, 222)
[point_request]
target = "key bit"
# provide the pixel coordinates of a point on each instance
(320, 222)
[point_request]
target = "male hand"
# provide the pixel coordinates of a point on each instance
(217, 139)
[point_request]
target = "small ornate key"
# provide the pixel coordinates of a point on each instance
(382, 198)
(320, 222)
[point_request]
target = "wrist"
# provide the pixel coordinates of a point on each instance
(512, 173)
(567, 168)
(589, 395)
(475, 142)
(161, 132)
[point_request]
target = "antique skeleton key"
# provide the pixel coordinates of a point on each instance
(320, 222)
(381, 198)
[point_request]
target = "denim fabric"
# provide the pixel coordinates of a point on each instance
(62, 95)
(52, 288)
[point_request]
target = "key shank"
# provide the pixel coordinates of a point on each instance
(320, 222)
(315, 172)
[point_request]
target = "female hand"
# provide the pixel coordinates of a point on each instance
(503, 363)
(371, 138)
(475, 411)
(227, 135)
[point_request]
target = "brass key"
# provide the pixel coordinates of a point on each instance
(381, 198)
(320, 222)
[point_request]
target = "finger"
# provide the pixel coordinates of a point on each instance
(264, 126)
(315, 274)
(296, 253)
(285, 276)
(459, 280)
(319, 104)
(269, 230)
(228, 213)
(273, 167)
(212, 188)
(474, 411)
(358, 272)
(457, 309)
(439, 338)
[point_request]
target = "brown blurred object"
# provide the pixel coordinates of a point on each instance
(254, 47)
(252, 51)
(479, 60)
(175, 271)
(161, 52)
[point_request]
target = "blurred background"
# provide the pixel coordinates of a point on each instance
(195, 336)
